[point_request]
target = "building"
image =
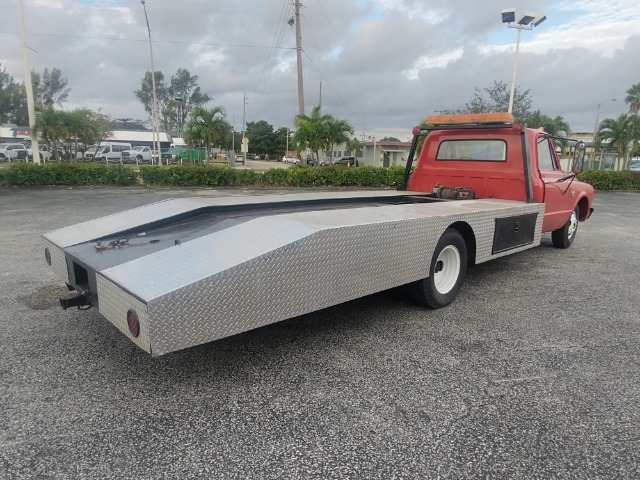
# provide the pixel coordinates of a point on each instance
(376, 154)
(135, 137)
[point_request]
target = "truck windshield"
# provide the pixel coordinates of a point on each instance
(477, 150)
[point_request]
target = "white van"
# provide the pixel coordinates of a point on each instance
(107, 152)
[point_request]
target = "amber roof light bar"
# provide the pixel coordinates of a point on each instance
(471, 119)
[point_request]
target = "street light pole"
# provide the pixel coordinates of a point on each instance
(154, 113)
(526, 22)
(179, 103)
(515, 69)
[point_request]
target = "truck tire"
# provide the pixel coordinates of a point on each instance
(446, 273)
(564, 237)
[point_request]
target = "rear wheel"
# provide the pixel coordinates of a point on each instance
(564, 237)
(446, 273)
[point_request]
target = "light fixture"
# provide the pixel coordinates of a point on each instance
(508, 15)
(526, 18)
(526, 21)
(539, 19)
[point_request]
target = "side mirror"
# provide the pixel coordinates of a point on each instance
(579, 152)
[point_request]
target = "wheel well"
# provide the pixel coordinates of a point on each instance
(469, 239)
(583, 205)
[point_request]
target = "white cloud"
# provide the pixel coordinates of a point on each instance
(383, 64)
(435, 61)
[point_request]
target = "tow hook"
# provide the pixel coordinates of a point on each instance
(80, 300)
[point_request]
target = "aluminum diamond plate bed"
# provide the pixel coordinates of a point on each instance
(199, 269)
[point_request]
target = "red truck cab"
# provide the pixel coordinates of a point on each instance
(490, 156)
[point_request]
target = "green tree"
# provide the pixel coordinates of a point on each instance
(145, 93)
(621, 132)
(50, 88)
(51, 127)
(261, 137)
(389, 139)
(176, 100)
(130, 124)
(311, 132)
(558, 126)
(633, 98)
(354, 146)
(336, 132)
(13, 100)
(207, 128)
(496, 99)
(184, 96)
(280, 140)
(84, 128)
(70, 131)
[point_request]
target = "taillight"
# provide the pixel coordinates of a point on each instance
(47, 256)
(133, 323)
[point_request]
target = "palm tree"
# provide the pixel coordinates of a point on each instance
(557, 127)
(51, 127)
(207, 128)
(311, 132)
(620, 132)
(353, 146)
(337, 132)
(82, 130)
(633, 98)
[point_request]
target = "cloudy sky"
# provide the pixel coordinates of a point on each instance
(383, 65)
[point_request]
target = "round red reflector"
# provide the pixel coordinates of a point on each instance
(416, 131)
(133, 323)
(47, 256)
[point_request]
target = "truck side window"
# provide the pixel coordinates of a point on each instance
(545, 158)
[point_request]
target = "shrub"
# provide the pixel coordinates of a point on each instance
(199, 175)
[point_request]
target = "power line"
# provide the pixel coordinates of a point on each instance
(272, 58)
(357, 117)
(174, 42)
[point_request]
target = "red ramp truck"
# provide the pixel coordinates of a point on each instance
(183, 272)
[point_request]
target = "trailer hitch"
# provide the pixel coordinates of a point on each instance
(80, 300)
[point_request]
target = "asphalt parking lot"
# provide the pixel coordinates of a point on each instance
(533, 372)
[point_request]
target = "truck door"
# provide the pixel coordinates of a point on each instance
(558, 196)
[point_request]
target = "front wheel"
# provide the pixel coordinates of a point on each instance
(446, 273)
(564, 237)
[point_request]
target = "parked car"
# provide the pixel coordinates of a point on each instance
(137, 155)
(293, 160)
(346, 162)
(342, 161)
(107, 152)
(10, 152)
(45, 155)
(635, 165)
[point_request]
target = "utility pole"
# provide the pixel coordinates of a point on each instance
(299, 54)
(244, 112)
(244, 148)
(35, 149)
